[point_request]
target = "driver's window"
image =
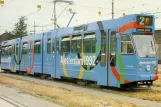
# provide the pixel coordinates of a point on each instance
(126, 45)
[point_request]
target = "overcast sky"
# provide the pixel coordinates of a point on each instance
(87, 11)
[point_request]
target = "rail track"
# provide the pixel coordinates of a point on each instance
(104, 91)
(76, 82)
(11, 101)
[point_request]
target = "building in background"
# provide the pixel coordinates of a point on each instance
(157, 38)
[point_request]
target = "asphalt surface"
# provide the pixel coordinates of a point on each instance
(10, 97)
(4, 103)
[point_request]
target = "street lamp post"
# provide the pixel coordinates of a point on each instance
(61, 1)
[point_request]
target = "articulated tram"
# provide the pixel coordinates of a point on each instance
(116, 53)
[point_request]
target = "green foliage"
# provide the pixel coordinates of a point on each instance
(20, 29)
(5, 36)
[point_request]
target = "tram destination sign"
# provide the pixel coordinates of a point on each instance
(144, 30)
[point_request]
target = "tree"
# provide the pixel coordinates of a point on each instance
(5, 36)
(20, 29)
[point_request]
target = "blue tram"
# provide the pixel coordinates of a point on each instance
(113, 53)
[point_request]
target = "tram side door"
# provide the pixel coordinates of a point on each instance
(54, 55)
(112, 53)
(47, 54)
(112, 48)
(28, 57)
(15, 56)
(57, 58)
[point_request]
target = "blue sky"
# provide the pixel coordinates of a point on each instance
(87, 11)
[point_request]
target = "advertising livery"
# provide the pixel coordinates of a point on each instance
(117, 53)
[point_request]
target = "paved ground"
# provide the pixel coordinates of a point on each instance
(90, 91)
(10, 97)
(4, 103)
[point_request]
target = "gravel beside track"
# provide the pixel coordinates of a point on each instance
(90, 91)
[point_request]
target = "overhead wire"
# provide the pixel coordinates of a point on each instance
(100, 7)
(93, 7)
(41, 25)
(62, 11)
(130, 8)
(90, 6)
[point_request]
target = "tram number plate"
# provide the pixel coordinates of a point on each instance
(144, 20)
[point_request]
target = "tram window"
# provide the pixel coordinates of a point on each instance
(53, 46)
(76, 43)
(89, 43)
(29, 47)
(57, 45)
(37, 47)
(65, 44)
(10, 50)
(125, 38)
(3, 51)
(6, 50)
(49, 46)
(15, 49)
(103, 48)
(24, 48)
(113, 42)
(113, 49)
(126, 45)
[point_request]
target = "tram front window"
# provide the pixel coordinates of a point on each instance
(145, 45)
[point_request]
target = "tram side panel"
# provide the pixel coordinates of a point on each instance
(5, 59)
(80, 56)
(26, 54)
(15, 55)
(31, 54)
(36, 54)
(49, 54)
(9, 55)
(70, 56)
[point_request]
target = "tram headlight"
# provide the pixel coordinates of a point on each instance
(148, 67)
(140, 67)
